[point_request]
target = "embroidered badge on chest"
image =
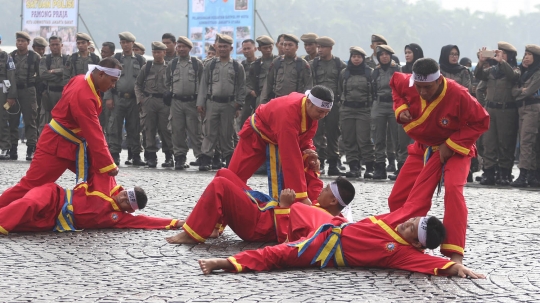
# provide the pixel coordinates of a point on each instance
(445, 122)
(114, 217)
(390, 246)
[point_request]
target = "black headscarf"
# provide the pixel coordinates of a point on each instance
(527, 72)
(357, 69)
(417, 54)
(444, 61)
(384, 66)
(464, 61)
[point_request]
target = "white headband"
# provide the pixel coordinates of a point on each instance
(318, 102)
(132, 199)
(335, 191)
(422, 78)
(113, 72)
(422, 230)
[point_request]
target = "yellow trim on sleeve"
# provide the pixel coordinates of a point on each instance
(427, 112)
(400, 109)
(452, 247)
(303, 123)
(447, 265)
(236, 265)
(460, 149)
(301, 195)
(107, 168)
(391, 232)
(2, 230)
(193, 233)
(172, 224)
(282, 211)
(115, 189)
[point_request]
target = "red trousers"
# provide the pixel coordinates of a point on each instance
(225, 202)
(250, 154)
(418, 182)
(36, 211)
(46, 168)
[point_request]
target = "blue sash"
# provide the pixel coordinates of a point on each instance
(81, 161)
(66, 219)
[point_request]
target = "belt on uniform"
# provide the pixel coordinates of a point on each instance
(357, 104)
(187, 98)
(153, 95)
(23, 86)
(427, 154)
(57, 89)
(528, 102)
(386, 99)
(501, 105)
(126, 95)
(222, 99)
(66, 218)
(81, 161)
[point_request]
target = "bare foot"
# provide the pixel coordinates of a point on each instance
(215, 233)
(209, 265)
(181, 238)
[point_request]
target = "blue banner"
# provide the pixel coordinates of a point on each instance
(206, 18)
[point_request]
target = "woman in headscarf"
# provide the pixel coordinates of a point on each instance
(355, 89)
(500, 139)
(527, 94)
(451, 69)
(413, 52)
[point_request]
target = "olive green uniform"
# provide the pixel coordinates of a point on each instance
(53, 85)
(286, 79)
(250, 101)
(528, 99)
(463, 78)
(80, 67)
(7, 72)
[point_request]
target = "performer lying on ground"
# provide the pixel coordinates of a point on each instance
(387, 241)
(50, 207)
(74, 125)
(279, 132)
(256, 217)
(445, 121)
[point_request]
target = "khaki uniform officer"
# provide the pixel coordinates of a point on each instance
(221, 95)
(8, 96)
(138, 48)
(170, 41)
(38, 45)
(261, 66)
(150, 89)
(77, 63)
(326, 69)
(310, 45)
(27, 75)
(288, 73)
(376, 40)
(183, 78)
(124, 105)
(51, 69)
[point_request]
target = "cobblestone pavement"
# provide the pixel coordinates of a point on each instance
(139, 266)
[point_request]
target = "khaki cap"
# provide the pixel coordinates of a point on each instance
(385, 48)
(264, 40)
(378, 38)
(39, 41)
(224, 39)
(185, 40)
(211, 48)
(506, 46)
(325, 41)
(23, 35)
(83, 36)
(158, 45)
(91, 44)
(309, 38)
(291, 37)
(357, 49)
(533, 48)
(127, 36)
(139, 45)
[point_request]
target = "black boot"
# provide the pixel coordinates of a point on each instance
(227, 161)
(470, 177)
(30, 150)
(196, 162)
(168, 160)
(368, 174)
(354, 171)
(532, 179)
(394, 176)
(216, 161)
(4, 154)
(263, 171)
(333, 170)
(321, 168)
(340, 165)
(13, 152)
(151, 158)
(137, 161)
(116, 158)
(521, 181)
(129, 161)
(488, 178)
(180, 162)
(391, 165)
(380, 171)
(205, 163)
(503, 180)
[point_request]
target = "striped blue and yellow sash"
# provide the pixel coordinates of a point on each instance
(81, 161)
(66, 219)
(330, 248)
(427, 154)
(257, 196)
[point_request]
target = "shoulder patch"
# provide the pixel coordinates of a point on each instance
(10, 63)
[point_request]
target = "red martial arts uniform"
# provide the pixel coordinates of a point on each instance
(44, 208)
(227, 200)
(372, 242)
(283, 125)
(454, 118)
(76, 116)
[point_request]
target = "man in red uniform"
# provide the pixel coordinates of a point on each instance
(52, 208)
(73, 139)
(387, 241)
(254, 216)
(279, 132)
(445, 121)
